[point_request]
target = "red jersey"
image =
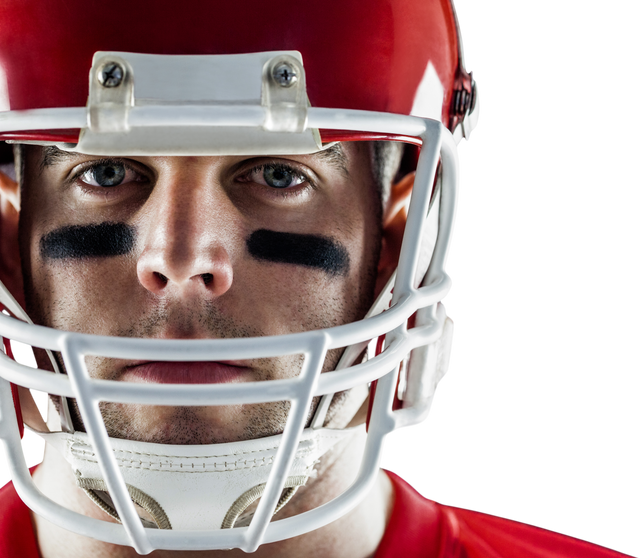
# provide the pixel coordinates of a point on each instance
(418, 528)
(16, 530)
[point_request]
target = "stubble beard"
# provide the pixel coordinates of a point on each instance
(189, 425)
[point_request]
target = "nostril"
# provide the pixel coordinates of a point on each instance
(161, 277)
(207, 278)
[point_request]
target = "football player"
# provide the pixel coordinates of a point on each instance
(224, 228)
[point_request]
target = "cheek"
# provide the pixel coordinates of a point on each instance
(77, 277)
(357, 290)
(285, 298)
(81, 295)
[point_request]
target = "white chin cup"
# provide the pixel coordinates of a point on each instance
(194, 487)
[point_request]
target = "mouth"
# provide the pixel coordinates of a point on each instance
(152, 372)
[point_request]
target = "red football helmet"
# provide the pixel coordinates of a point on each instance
(129, 77)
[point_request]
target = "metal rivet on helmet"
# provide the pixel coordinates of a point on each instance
(111, 74)
(285, 74)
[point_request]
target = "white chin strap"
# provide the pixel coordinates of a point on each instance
(194, 487)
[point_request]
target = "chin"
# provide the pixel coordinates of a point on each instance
(172, 425)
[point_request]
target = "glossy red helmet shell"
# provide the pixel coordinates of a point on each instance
(357, 55)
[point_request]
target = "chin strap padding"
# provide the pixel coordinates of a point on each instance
(236, 516)
(96, 489)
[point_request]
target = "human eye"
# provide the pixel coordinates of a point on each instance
(108, 173)
(276, 175)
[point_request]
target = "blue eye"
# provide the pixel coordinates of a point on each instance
(105, 174)
(277, 176)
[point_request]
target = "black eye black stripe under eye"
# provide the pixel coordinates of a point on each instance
(117, 239)
(88, 241)
(307, 250)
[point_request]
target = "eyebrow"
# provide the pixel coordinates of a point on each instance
(333, 155)
(52, 155)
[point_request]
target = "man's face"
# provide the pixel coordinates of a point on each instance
(193, 248)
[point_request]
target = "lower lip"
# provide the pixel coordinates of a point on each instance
(185, 373)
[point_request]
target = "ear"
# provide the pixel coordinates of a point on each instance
(394, 220)
(10, 270)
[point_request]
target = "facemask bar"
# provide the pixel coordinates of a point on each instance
(407, 299)
(12, 305)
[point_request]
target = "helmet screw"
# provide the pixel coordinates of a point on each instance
(285, 74)
(111, 74)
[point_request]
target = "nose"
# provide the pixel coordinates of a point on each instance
(184, 252)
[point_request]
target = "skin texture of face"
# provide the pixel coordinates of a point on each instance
(190, 248)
